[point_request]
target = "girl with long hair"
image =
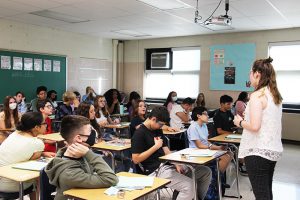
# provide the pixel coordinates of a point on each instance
(171, 100)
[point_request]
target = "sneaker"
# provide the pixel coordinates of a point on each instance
(243, 170)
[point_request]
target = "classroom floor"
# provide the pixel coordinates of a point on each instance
(286, 185)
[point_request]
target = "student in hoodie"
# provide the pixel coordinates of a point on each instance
(76, 166)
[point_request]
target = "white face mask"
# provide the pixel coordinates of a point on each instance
(12, 106)
(174, 98)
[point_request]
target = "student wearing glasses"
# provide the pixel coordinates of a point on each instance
(149, 143)
(76, 166)
(45, 107)
(22, 145)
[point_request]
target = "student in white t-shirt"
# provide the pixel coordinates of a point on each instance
(22, 145)
(102, 114)
(180, 113)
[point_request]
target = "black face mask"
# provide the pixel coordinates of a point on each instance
(92, 138)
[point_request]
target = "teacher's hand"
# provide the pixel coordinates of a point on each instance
(237, 119)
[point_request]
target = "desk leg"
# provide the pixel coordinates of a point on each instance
(21, 191)
(218, 179)
(195, 181)
(56, 146)
(168, 139)
(236, 150)
(158, 194)
(112, 160)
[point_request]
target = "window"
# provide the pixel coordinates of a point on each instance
(183, 78)
(287, 67)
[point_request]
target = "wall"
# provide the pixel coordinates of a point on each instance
(134, 63)
(23, 37)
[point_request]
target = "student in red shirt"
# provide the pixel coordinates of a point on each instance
(45, 107)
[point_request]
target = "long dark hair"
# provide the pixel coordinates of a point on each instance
(243, 96)
(133, 96)
(267, 78)
(6, 111)
(169, 98)
(97, 107)
(109, 96)
(84, 110)
(29, 121)
(198, 103)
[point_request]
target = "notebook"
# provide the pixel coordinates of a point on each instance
(31, 165)
(234, 136)
(197, 152)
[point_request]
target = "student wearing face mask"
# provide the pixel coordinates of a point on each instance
(9, 117)
(21, 104)
(76, 166)
(171, 101)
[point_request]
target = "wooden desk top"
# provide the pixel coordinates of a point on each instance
(53, 136)
(110, 147)
(222, 138)
(96, 194)
(118, 126)
(7, 130)
(166, 132)
(18, 175)
(176, 157)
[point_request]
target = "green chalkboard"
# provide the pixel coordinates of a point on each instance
(20, 71)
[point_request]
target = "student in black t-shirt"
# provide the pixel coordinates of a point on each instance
(223, 119)
(148, 144)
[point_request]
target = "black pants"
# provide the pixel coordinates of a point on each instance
(260, 171)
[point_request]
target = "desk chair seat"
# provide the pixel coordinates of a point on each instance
(15, 195)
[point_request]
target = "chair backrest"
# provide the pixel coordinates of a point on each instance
(46, 189)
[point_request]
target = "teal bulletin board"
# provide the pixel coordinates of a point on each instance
(230, 66)
(20, 71)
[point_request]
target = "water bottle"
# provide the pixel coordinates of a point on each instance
(121, 109)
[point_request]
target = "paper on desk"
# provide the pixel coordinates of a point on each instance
(197, 152)
(31, 165)
(134, 182)
(115, 143)
(111, 191)
(234, 136)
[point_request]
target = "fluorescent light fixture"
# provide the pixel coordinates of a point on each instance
(59, 16)
(131, 33)
(214, 27)
(166, 4)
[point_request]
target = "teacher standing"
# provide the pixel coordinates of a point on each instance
(261, 145)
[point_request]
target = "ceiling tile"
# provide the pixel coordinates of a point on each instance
(44, 4)
(22, 7)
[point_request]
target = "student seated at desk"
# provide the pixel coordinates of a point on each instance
(148, 144)
(198, 136)
(41, 93)
(89, 96)
(45, 107)
(102, 114)
(223, 119)
(9, 117)
(76, 166)
(139, 116)
(133, 98)
(113, 99)
(171, 100)
(22, 145)
(180, 113)
(21, 104)
(68, 107)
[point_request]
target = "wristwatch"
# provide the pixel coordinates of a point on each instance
(209, 146)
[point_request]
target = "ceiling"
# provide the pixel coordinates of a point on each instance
(107, 18)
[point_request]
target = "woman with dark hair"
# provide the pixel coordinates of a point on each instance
(113, 99)
(241, 103)
(52, 96)
(138, 116)
(88, 110)
(133, 98)
(200, 101)
(171, 100)
(261, 145)
(22, 145)
(9, 117)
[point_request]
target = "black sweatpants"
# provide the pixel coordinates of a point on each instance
(260, 171)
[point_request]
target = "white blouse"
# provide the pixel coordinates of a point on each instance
(266, 142)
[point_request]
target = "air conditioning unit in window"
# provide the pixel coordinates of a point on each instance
(160, 61)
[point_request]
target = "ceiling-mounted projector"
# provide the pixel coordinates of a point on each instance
(222, 20)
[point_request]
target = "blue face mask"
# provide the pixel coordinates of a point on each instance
(92, 138)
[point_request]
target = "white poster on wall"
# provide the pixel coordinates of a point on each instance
(28, 65)
(38, 65)
(47, 65)
(56, 66)
(17, 63)
(5, 62)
